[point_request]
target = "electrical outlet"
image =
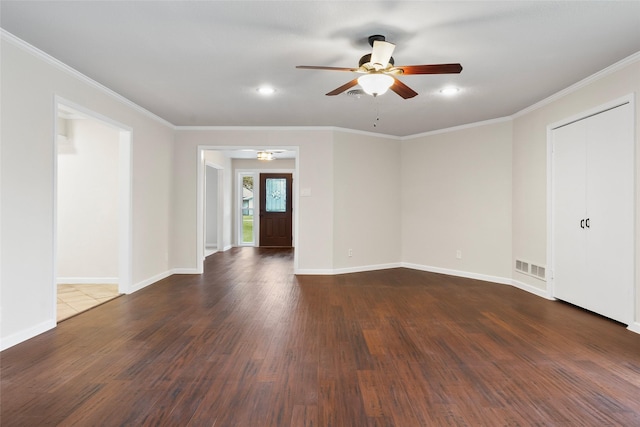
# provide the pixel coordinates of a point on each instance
(350, 252)
(459, 254)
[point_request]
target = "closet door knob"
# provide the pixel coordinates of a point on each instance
(586, 222)
(582, 223)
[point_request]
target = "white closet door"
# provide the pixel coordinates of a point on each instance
(610, 207)
(593, 208)
(569, 243)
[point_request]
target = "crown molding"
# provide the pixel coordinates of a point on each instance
(286, 129)
(457, 128)
(10, 38)
(7, 36)
(579, 85)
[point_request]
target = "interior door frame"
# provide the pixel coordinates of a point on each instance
(238, 206)
(627, 99)
(125, 237)
(261, 195)
(256, 203)
(200, 164)
(219, 206)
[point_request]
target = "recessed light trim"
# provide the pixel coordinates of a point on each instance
(449, 90)
(266, 90)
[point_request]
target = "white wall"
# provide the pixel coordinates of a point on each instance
(87, 203)
(30, 81)
(530, 163)
(314, 163)
(459, 190)
(456, 196)
(367, 202)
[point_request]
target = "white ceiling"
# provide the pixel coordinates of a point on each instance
(200, 62)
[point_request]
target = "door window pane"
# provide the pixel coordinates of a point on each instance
(276, 195)
(247, 209)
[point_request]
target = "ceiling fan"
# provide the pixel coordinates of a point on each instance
(379, 71)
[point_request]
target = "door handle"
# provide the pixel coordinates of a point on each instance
(586, 222)
(582, 223)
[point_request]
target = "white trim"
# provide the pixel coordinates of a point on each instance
(627, 99)
(73, 72)
(5, 35)
(458, 273)
(125, 192)
(184, 271)
(125, 210)
(285, 129)
(200, 195)
(313, 272)
(634, 327)
(87, 280)
(579, 85)
(26, 334)
(532, 289)
(458, 128)
(219, 207)
(151, 280)
(362, 268)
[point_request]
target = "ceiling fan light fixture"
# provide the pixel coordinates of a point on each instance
(265, 155)
(375, 84)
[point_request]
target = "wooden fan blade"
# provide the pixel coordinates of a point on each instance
(342, 88)
(319, 67)
(403, 90)
(431, 69)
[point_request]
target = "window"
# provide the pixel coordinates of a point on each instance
(246, 235)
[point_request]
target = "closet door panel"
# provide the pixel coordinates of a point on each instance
(569, 169)
(609, 206)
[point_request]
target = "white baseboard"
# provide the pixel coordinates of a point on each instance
(532, 290)
(313, 272)
(87, 280)
(226, 248)
(362, 268)
(151, 280)
(29, 333)
(185, 271)
(634, 327)
(458, 273)
(335, 271)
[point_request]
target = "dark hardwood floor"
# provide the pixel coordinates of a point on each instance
(250, 344)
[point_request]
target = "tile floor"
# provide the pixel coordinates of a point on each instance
(74, 299)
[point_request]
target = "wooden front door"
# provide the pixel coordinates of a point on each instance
(275, 209)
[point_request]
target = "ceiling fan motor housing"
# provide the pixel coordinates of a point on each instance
(367, 59)
(376, 38)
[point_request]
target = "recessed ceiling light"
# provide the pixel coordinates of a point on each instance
(450, 90)
(266, 90)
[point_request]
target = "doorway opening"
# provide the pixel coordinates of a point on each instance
(213, 212)
(276, 210)
(92, 205)
(239, 223)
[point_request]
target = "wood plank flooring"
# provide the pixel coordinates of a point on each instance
(250, 344)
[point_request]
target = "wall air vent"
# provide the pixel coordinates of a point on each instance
(532, 270)
(522, 266)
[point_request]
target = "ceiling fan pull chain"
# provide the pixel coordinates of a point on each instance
(375, 124)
